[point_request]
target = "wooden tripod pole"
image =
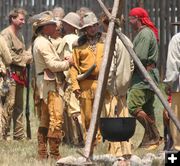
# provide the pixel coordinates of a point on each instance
(102, 80)
(149, 79)
(143, 70)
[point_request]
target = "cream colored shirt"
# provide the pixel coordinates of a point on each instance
(46, 57)
(68, 49)
(16, 46)
(121, 69)
(5, 56)
(173, 64)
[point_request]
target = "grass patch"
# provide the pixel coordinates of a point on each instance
(24, 153)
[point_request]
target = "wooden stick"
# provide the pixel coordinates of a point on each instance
(102, 80)
(149, 79)
(146, 75)
(104, 9)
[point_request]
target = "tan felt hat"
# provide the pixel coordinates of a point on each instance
(89, 19)
(72, 19)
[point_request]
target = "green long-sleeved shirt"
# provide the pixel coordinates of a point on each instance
(146, 48)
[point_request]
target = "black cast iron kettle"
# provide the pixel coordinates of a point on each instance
(116, 129)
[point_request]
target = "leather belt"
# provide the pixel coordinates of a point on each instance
(41, 73)
(150, 67)
(16, 67)
(147, 67)
(92, 77)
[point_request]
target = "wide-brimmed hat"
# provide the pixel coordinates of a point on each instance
(72, 19)
(42, 19)
(89, 19)
(176, 23)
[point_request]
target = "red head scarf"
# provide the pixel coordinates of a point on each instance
(144, 17)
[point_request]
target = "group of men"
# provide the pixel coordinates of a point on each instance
(67, 53)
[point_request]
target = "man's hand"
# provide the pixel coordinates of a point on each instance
(2, 72)
(70, 60)
(77, 93)
(29, 60)
(168, 89)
